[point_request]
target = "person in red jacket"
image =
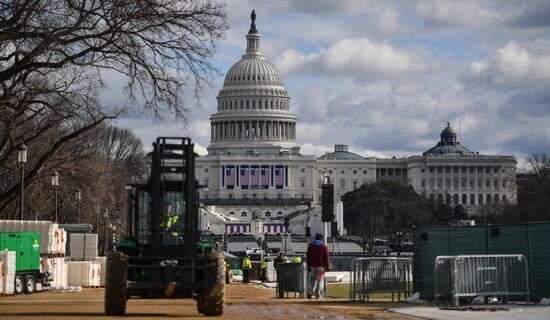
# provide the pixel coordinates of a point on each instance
(317, 264)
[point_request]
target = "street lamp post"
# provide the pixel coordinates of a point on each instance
(129, 218)
(55, 184)
(399, 238)
(22, 159)
(78, 196)
(106, 216)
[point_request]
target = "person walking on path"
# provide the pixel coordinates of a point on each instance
(263, 267)
(247, 267)
(318, 263)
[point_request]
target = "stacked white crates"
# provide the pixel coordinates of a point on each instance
(85, 267)
(8, 271)
(103, 270)
(83, 246)
(84, 273)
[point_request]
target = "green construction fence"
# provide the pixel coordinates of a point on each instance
(530, 239)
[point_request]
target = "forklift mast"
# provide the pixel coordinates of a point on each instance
(174, 215)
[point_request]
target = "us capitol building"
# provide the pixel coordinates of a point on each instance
(256, 174)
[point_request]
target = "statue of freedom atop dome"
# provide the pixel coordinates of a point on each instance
(253, 23)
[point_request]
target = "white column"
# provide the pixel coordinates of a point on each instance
(213, 131)
(242, 129)
(264, 126)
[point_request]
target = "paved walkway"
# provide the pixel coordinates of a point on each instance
(516, 312)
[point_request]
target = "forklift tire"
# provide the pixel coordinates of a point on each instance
(30, 284)
(115, 284)
(19, 284)
(211, 303)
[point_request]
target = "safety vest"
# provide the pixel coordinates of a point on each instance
(247, 264)
(264, 262)
(172, 220)
(297, 260)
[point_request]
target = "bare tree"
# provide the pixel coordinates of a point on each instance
(539, 165)
(53, 54)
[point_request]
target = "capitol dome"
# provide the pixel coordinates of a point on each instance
(253, 104)
(253, 70)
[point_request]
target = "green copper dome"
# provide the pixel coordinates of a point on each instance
(448, 144)
(340, 153)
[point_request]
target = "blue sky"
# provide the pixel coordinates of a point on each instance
(386, 76)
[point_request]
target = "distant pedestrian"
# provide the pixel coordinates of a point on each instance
(280, 258)
(247, 267)
(263, 269)
(318, 263)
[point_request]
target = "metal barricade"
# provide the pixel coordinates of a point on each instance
(291, 277)
(481, 275)
(380, 275)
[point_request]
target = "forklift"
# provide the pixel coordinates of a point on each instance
(163, 256)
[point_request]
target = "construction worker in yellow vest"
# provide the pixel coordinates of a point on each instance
(247, 267)
(171, 223)
(263, 267)
(297, 260)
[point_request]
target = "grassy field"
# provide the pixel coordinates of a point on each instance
(341, 290)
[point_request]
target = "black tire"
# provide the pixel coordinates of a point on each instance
(19, 284)
(200, 302)
(115, 284)
(30, 284)
(210, 303)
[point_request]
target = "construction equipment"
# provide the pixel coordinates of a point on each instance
(27, 259)
(163, 255)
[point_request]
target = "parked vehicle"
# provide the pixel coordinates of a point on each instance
(27, 260)
(381, 246)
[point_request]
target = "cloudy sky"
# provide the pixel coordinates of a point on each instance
(386, 76)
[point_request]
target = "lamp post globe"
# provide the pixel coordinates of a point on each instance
(22, 159)
(55, 184)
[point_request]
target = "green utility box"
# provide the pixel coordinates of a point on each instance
(27, 260)
(26, 246)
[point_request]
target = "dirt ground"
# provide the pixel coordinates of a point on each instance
(242, 302)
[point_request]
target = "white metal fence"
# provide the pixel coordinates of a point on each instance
(501, 276)
(380, 275)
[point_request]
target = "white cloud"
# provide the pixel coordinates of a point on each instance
(465, 13)
(511, 64)
(388, 21)
(356, 58)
